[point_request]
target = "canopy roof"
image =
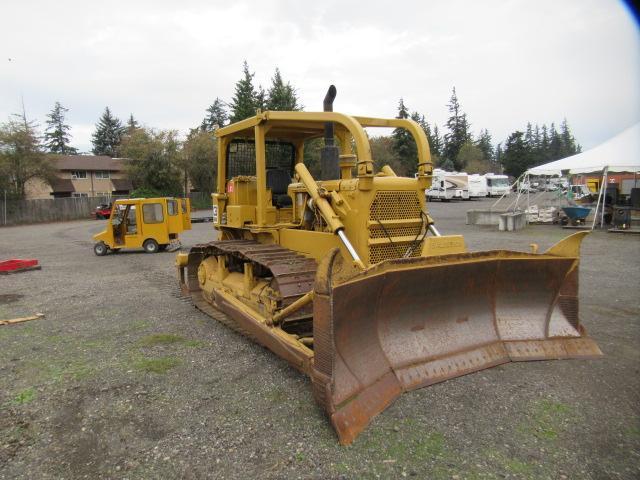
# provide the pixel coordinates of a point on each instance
(619, 154)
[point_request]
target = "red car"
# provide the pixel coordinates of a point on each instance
(103, 211)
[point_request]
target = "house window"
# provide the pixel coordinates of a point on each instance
(101, 174)
(152, 213)
(79, 195)
(78, 174)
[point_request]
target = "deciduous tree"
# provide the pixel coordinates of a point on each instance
(154, 164)
(201, 159)
(470, 155)
(21, 156)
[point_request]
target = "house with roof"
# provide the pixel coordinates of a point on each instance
(83, 176)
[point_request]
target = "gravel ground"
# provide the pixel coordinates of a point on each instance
(125, 379)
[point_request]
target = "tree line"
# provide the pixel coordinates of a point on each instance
(459, 150)
(161, 163)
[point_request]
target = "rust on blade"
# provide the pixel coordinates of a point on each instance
(408, 323)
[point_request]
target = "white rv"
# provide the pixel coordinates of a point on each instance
(447, 186)
(477, 186)
(497, 185)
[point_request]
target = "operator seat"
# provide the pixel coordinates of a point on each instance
(278, 181)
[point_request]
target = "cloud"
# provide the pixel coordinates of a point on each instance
(511, 62)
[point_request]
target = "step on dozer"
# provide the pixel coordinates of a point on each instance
(348, 279)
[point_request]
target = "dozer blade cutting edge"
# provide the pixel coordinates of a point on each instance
(408, 323)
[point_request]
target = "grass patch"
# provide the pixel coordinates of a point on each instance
(548, 420)
(632, 432)
(167, 339)
(512, 466)
(518, 467)
(411, 443)
(25, 396)
(276, 395)
(157, 365)
(431, 446)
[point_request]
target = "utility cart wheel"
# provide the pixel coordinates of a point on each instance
(150, 246)
(100, 249)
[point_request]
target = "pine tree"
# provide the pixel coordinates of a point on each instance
(436, 144)
(569, 144)
(56, 135)
(132, 124)
(555, 143)
(484, 144)
(516, 157)
(404, 145)
(261, 99)
(458, 130)
(216, 116)
(545, 153)
(281, 96)
(498, 157)
(528, 137)
(245, 101)
(108, 135)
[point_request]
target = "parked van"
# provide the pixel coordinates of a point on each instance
(497, 185)
(477, 186)
(447, 186)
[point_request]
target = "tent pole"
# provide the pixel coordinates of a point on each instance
(528, 182)
(595, 215)
(604, 195)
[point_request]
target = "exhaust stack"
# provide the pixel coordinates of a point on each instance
(330, 154)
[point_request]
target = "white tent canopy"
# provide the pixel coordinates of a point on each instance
(618, 154)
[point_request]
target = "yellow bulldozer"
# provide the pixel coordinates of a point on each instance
(349, 280)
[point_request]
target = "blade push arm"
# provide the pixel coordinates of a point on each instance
(327, 211)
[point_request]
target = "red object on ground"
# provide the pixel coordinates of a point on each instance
(18, 265)
(103, 211)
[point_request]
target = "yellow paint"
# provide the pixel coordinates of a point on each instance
(569, 246)
(134, 221)
(444, 245)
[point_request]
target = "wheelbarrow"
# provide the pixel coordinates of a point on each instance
(576, 215)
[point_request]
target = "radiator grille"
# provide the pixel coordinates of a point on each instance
(376, 231)
(394, 205)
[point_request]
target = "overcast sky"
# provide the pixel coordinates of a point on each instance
(165, 61)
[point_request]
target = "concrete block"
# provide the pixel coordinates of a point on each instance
(512, 221)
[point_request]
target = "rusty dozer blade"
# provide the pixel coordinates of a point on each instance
(408, 323)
